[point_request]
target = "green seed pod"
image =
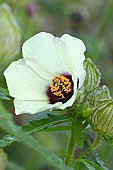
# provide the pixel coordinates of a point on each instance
(102, 119)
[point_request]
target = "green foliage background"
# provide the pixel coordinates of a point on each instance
(88, 20)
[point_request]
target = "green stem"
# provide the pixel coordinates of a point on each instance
(106, 17)
(70, 150)
(91, 148)
(7, 125)
(71, 145)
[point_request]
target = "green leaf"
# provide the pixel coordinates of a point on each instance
(76, 164)
(91, 165)
(4, 94)
(6, 141)
(100, 162)
(77, 130)
(36, 125)
(35, 145)
(93, 76)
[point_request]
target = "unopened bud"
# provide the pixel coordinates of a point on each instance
(9, 34)
(102, 119)
(86, 113)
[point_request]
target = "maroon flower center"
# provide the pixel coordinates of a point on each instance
(60, 89)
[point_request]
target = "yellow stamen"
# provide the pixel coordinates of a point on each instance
(60, 85)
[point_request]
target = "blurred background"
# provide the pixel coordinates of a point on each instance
(91, 21)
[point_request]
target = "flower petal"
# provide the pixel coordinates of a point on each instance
(41, 53)
(23, 83)
(74, 50)
(27, 106)
(81, 78)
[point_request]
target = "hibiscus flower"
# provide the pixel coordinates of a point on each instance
(49, 74)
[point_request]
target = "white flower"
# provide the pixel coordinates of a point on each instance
(49, 75)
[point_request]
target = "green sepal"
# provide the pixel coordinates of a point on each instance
(102, 119)
(96, 96)
(93, 76)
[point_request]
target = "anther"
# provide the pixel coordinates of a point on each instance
(60, 86)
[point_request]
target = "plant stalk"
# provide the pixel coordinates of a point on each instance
(91, 148)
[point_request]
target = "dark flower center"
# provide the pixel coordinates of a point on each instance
(60, 89)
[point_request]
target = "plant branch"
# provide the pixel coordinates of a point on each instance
(91, 148)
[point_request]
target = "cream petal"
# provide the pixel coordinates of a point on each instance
(23, 106)
(23, 83)
(74, 50)
(32, 107)
(41, 53)
(81, 78)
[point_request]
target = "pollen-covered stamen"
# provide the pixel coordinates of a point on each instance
(60, 86)
(60, 89)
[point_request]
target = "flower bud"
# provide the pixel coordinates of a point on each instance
(102, 119)
(9, 34)
(86, 113)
